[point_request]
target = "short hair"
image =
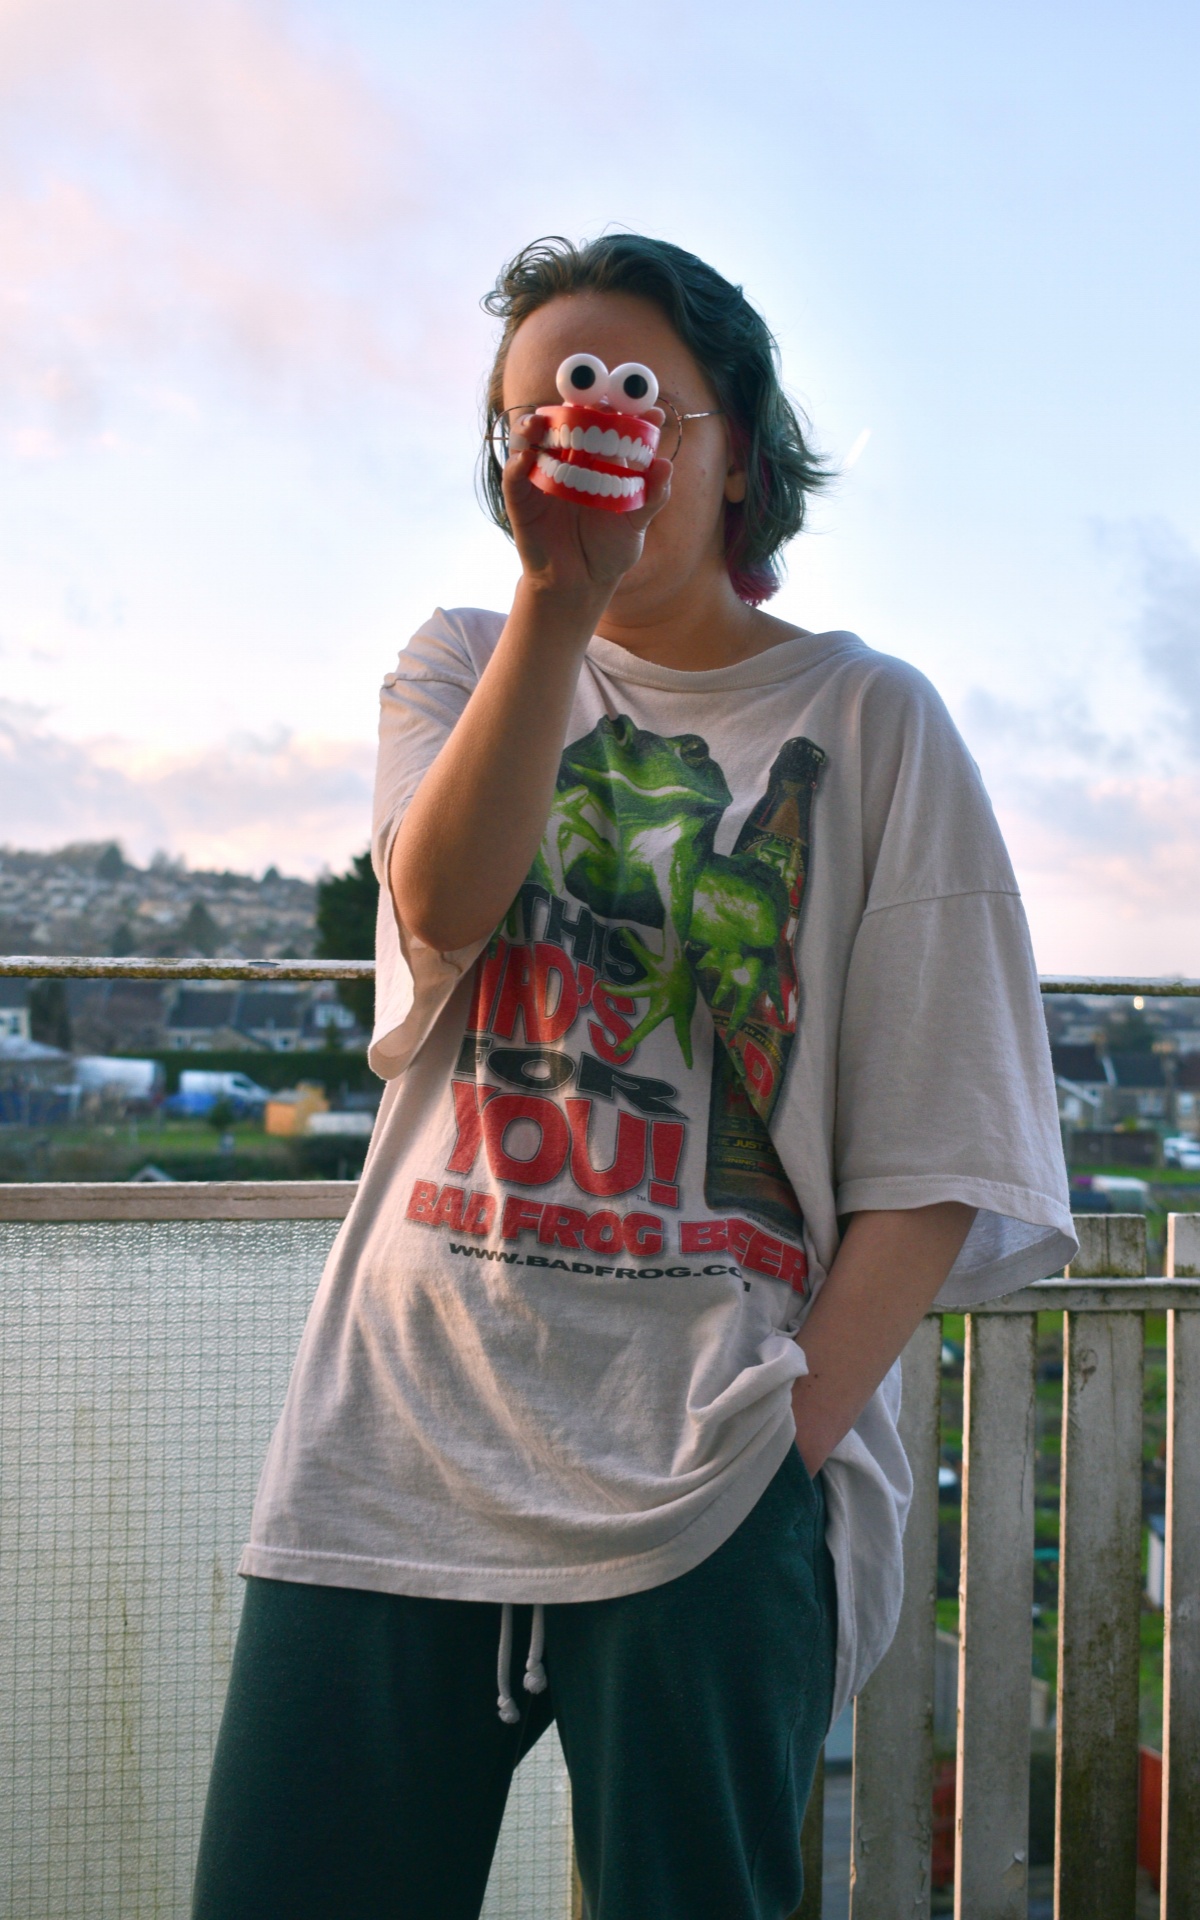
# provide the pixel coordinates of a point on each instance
(729, 339)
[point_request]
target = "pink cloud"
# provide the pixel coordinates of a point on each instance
(242, 803)
(178, 179)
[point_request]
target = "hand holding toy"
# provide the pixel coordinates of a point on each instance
(597, 447)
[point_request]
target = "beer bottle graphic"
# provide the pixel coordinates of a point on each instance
(755, 1005)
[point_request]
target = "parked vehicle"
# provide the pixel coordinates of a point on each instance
(1180, 1150)
(1123, 1193)
(200, 1091)
(134, 1081)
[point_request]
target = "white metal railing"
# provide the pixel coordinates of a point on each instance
(132, 1534)
(34, 966)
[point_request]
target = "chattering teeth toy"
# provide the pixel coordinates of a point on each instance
(598, 445)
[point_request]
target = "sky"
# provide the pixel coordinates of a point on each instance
(242, 248)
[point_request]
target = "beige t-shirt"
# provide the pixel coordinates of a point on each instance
(769, 967)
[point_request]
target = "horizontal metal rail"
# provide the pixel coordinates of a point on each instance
(52, 1201)
(35, 966)
(82, 967)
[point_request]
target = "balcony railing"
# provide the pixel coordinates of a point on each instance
(148, 1332)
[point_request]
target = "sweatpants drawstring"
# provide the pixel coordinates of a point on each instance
(510, 1713)
(535, 1672)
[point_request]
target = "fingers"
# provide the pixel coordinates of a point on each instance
(658, 492)
(528, 430)
(518, 488)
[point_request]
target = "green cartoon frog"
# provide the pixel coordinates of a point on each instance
(631, 835)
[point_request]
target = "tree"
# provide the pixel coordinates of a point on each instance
(49, 1015)
(346, 909)
(1129, 1031)
(111, 864)
(200, 931)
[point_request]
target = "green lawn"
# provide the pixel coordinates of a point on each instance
(185, 1149)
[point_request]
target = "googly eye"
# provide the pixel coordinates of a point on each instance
(581, 377)
(632, 388)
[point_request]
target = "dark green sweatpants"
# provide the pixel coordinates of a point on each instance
(362, 1769)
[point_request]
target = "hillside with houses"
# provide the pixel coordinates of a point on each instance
(89, 899)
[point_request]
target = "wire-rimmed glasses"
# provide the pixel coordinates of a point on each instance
(505, 439)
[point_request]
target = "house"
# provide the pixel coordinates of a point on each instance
(1141, 1089)
(34, 1083)
(1083, 1080)
(274, 1019)
(14, 1010)
(328, 1022)
(202, 1019)
(1187, 1093)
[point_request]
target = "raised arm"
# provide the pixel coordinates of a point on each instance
(470, 834)
(884, 1279)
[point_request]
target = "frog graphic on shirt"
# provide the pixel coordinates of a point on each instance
(631, 834)
(661, 920)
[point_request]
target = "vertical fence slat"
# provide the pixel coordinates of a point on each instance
(1112, 1246)
(1181, 1638)
(893, 1716)
(995, 1619)
(1099, 1610)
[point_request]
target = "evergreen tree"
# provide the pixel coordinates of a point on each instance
(346, 908)
(200, 931)
(49, 1015)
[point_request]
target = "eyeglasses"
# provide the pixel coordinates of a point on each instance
(505, 439)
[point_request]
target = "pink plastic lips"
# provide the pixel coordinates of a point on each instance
(597, 446)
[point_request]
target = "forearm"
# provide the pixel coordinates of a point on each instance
(474, 825)
(885, 1277)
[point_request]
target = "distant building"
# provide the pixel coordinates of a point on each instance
(273, 1019)
(1100, 1089)
(1141, 1090)
(1187, 1092)
(1082, 1081)
(14, 1010)
(202, 1020)
(34, 1089)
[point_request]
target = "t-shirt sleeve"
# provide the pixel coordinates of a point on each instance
(420, 704)
(945, 1086)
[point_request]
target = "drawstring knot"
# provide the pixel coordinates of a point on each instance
(535, 1672)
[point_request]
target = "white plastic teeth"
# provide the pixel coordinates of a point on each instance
(617, 486)
(605, 441)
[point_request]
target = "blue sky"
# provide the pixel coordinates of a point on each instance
(241, 352)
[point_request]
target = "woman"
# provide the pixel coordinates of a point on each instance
(714, 1057)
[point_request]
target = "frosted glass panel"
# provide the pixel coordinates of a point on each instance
(144, 1364)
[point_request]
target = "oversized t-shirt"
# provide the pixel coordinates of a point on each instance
(769, 967)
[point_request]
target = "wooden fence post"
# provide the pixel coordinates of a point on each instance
(995, 1647)
(893, 1716)
(1099, 1602)
(1181, 1599)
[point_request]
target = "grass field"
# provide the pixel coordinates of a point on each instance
(185, 1149)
